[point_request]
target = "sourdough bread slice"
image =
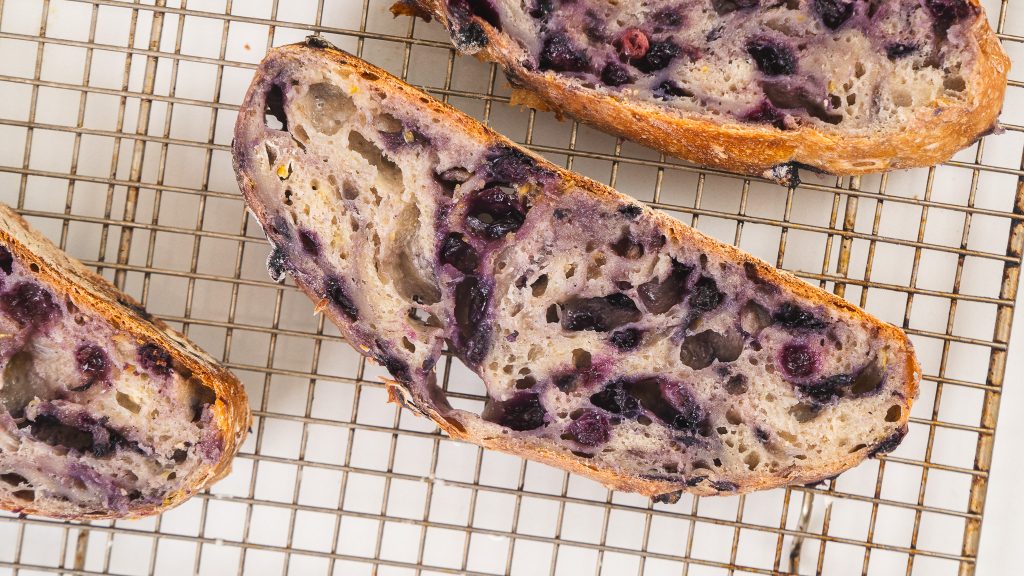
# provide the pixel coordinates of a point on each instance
(613, 341)
(841, 86)
(106, 412)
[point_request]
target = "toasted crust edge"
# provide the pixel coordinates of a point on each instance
(933, 136)
(530, 448)
(90, 291)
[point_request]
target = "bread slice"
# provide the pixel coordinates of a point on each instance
(840, 86)
(613, 340)
(106, 412)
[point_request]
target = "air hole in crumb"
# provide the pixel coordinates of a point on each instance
(733, 417)
(894, 413)
(552, 314)
(25, 495)
(408, 345)
(539, 286)
(570, 271)
(581, 359)
(34, 267)
(127, 403)
(718, 463)
(14, 479)
(752, 460)
(526, 382)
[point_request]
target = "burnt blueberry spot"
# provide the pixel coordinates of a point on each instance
(614, 74)
(600, 314)
(723, 7)
(792, 316)
(398, 368)
(484, 9)
(670, 497)
(472, 299)
(659, 296)
(632, 44)
(338, 295)
(890, 443)
(276, 264)
(772, 57)
(521, 412)
(29, 304)
(493, 213)
(92, 362)
(615, 400)
(670, 402)
(798, 360)
(310, 242)
(658, 56)
(542, 9)
(590, 429)
(706, 296)
(833, 13)
(627, 339)
(631, 211)
(667, 18)
(824, 391)
(670, 90)
(471, 35)
(766, 113)
(949, 12)
(6, 260)
(898, 50)
(561, 54)
(459, 253)
(724, 486)
(155, 359)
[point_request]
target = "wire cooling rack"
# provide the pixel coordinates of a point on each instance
(115, 126)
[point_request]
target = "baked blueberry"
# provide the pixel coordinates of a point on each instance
(521, 412)
(155, 359)
(833, 13)
(459, 253)
(561, 54)
(773, 58)
(589, 429)
(600, 314)
(798, 360)
(29, 304)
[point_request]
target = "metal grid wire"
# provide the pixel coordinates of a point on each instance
(114, 140)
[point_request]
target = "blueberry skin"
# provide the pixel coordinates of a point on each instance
(92, 362)
(154, 359)
(772, 57)
(336, 292)
(29, 304)
(561, 54)
(658, 56)
(521, 412)
(798, 360)
(277, 263)
(614, 74)
(459, 253)
(626, 340)
(590, 429)
(792, 316)
(833, 13)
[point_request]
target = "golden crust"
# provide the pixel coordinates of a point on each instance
(932, 136)
(531, 448)
(89, 291)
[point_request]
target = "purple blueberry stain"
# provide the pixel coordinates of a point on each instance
(155, 359)
(706, 296)
(890, 443)
(310, 242)
(833, 13)
(773, 58)
(494, 212)
(472, 301)
(949, 12)
(671, 90)
(337, 294)
(93, 363)
(561, 54)
(599, 314)
(798, 360)
(899, 50)
(29, 304)
(627, 339)
(668, 18)
(828, 389)
(796, 318)
(6, 260)
(766, 113)
(522, 412)
(658, 56)
(591, 429)
(459, 253)
(614, 74)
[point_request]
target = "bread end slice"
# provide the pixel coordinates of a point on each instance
(106, 411)
(613, 340)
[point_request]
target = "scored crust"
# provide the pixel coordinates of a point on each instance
(932, 136)
(89, 292)
(257, 150)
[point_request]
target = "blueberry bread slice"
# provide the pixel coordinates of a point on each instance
(613, 340)
(841, 86)
(106, 412)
